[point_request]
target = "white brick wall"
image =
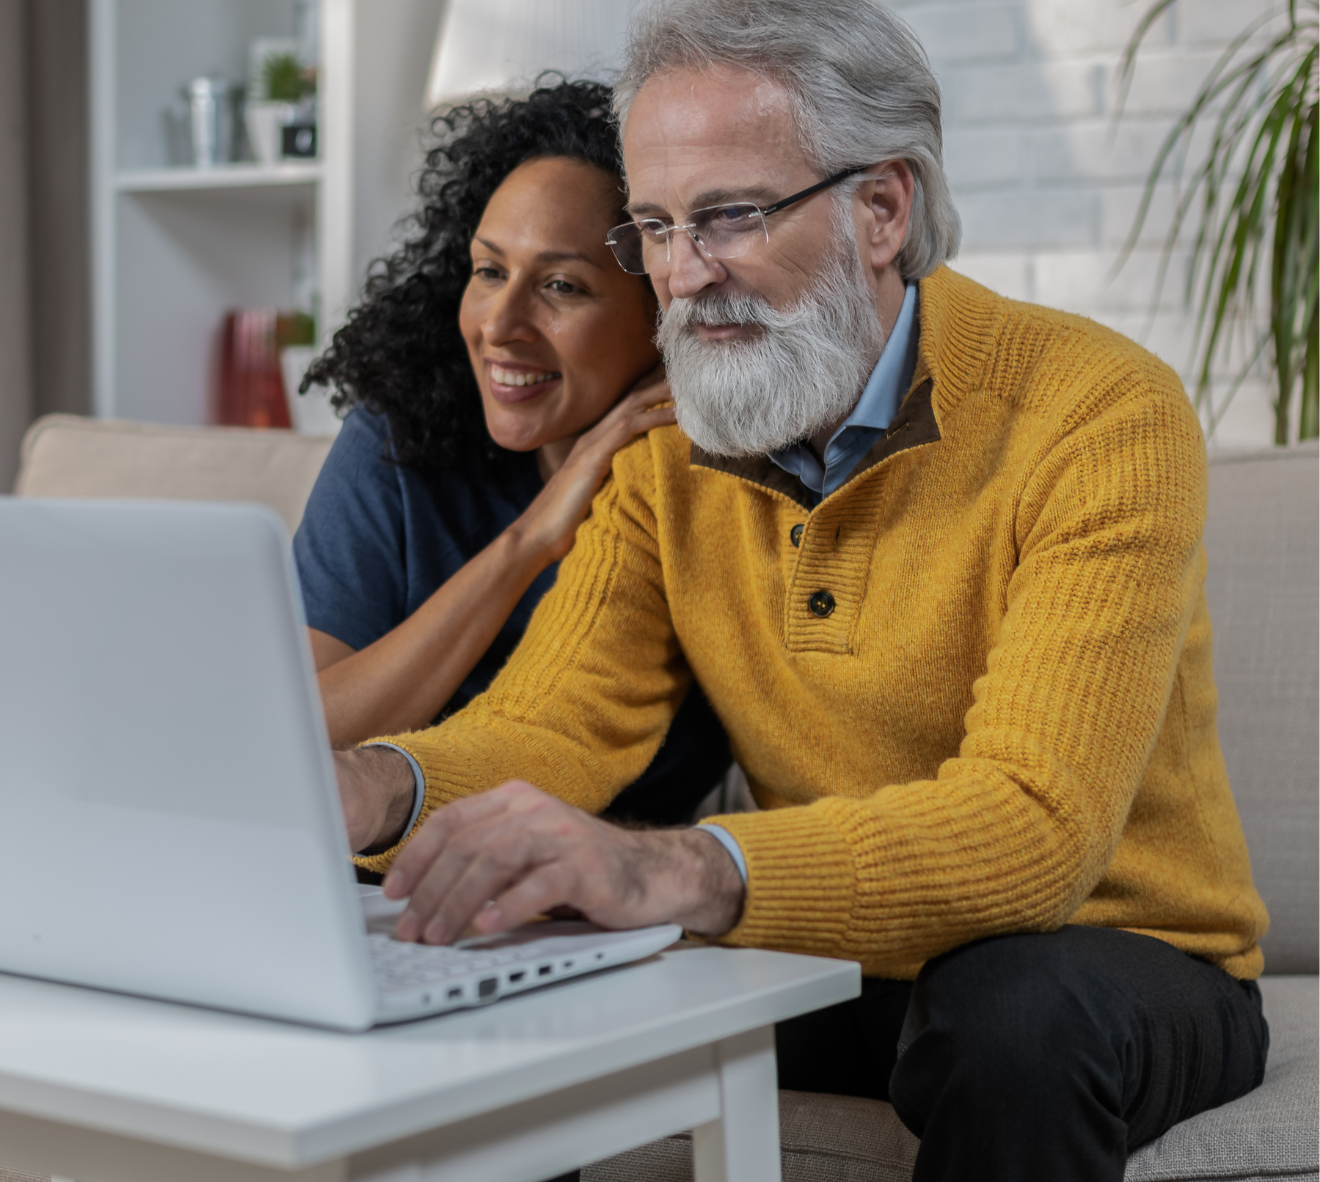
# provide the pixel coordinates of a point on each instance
(1046, 184)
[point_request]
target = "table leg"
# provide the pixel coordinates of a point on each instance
(743, 1145)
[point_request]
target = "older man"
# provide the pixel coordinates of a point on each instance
(935, 559)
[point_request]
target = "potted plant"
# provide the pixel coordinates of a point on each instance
(284, 86)
(1255, 204)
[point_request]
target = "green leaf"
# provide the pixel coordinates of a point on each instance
(285, 79)
(1254, 198)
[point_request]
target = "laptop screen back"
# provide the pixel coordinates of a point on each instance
(166, 790)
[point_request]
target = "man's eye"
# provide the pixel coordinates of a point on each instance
(727, 215)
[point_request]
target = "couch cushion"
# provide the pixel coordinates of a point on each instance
(68, 456)
(1261, 582)
(1270, 1133)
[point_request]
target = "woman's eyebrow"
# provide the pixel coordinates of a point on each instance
(545, 256)
(560, 256)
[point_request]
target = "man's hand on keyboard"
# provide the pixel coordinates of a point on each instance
(497, 859)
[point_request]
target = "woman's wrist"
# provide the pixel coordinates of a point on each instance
(526, 547)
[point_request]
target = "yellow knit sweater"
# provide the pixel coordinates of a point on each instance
(1006, 720)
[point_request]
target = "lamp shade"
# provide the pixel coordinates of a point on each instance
(502, 45)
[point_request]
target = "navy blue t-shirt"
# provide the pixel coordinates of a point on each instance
(377, 540)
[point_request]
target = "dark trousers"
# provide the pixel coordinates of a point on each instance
(1038, 1056)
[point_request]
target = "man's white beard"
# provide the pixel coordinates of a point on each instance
(803, 371)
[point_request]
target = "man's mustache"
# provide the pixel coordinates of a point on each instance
(718, 310)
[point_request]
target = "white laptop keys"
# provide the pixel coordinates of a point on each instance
(168, 809)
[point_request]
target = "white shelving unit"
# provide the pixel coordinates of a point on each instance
(174, 248)
(233, 176)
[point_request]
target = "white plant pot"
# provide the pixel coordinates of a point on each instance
(265, 122)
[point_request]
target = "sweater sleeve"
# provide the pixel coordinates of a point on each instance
(587, 697)
(1015, 831)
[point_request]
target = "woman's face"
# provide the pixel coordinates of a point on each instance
(555, 328)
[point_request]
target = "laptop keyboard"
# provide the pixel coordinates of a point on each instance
(404, 966)
(417, 979)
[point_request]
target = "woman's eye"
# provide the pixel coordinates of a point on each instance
(486, 272)
(563, 287)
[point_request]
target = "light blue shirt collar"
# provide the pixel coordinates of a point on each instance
(875, 410)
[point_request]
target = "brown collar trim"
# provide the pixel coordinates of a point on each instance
(914, 425)
(760, 470)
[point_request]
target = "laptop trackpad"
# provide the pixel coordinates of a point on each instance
(379, 912)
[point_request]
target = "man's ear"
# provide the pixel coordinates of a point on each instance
(887, 203)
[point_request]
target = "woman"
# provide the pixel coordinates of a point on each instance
(500, 359)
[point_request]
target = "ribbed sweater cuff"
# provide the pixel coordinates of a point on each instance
(436, 793)
(800, 880)
(461, 757)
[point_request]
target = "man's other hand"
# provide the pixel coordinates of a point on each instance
(376, 789)
(496, 860)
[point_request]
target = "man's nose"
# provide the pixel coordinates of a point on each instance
(691, 269)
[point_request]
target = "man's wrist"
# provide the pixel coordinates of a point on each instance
(717, 886)
(381, 779)
(730, 843)
(419, 789)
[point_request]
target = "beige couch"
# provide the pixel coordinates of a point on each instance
(68, 456)
(1262, 585)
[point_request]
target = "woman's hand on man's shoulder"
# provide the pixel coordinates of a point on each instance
(550, 522)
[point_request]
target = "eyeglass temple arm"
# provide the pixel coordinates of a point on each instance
(816, 188)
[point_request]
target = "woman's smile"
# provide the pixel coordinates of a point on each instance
(511, 382)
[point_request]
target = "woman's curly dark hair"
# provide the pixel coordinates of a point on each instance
(401, 352)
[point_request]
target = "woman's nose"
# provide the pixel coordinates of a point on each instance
(508, 317)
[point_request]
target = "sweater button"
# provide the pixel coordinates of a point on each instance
(795, 535)
(821, 604)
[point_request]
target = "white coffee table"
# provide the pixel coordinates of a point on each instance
(106, 1088)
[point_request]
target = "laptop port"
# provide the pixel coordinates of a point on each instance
(488, 986)
(545, 970)
(568, 964)
(455, 993)
(514, 978)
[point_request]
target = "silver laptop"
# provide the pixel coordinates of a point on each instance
(168, 810)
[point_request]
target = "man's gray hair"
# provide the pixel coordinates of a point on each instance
(860, 84)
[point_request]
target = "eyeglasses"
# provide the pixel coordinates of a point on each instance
(721, 231)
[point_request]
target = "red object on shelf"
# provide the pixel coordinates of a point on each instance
(251, 387)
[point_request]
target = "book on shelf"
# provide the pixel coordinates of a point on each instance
(250, 389)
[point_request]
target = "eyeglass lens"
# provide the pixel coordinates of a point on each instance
(722, 231)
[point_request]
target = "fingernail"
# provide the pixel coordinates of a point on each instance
(408, 928)
(392, 887)
(435, 934)
(488, 920)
